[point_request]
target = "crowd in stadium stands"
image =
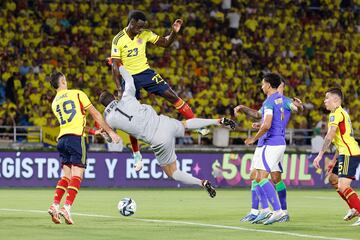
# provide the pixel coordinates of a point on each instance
(214, 64)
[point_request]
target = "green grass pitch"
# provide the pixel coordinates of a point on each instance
(171, 214)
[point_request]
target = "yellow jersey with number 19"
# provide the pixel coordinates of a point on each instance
(69, 107)
(344, 139)
(132, 52)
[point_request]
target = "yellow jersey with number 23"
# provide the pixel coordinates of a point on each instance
(132, 52)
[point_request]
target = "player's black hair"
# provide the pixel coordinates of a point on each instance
(106, 98)
(283, 80)
(136, 15)
(54, 79)
(336, 91)
(273, 78)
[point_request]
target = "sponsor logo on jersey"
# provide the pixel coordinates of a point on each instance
(278, 101)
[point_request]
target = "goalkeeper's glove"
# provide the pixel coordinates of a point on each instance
(138, 161)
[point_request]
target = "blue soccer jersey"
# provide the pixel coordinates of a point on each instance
(275, 136)
(287, 110)
(261, 139)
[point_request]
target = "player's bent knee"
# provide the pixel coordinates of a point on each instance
(333, 180)
(170, 95)
(67, 171)
(261, 174)
(77, 171)
(258, 179)
(275, 177)
(168, 172)
(343, 185)
(253, 175)
(341, 188)
(169, 169)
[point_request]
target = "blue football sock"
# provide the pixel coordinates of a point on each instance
(270, 192)
(254, 197)
(281, 191)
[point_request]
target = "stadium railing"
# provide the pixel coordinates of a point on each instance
(34, 134)
(21, 134)
(292, 136)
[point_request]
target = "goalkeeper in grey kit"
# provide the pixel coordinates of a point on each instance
(160, 131)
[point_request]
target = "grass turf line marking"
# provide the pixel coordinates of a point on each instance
(185, 223)
(241, 228)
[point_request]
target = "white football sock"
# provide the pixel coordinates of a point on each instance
(67, 207)
(185, 178)
(254, 211)
(195, 123)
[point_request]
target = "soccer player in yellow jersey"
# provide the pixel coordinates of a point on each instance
(347, 158)
(70, 107)
(129, 49)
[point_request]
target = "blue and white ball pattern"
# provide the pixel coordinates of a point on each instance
(127, 207)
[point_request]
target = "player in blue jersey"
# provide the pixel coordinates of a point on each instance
(289, 106)
(294, 105)
(272, 135)
(257, 193)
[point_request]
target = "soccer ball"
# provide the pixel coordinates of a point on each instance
(127, 207)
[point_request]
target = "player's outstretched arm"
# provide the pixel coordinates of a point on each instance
(116, 73)
(96, 115)
(297, 105)
(136, 153)
(129, 82)
(168, 40)
(248, 111)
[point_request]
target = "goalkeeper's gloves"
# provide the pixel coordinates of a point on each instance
(138, 161)
(106, 136)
